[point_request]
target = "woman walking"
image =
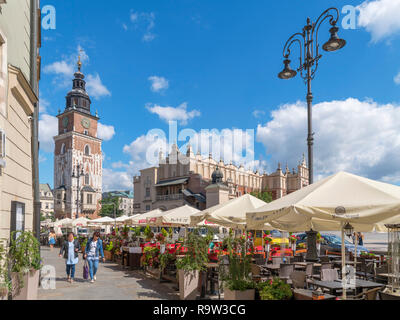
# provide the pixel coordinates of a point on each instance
(70, 250)
(52, 239)
(94, 249)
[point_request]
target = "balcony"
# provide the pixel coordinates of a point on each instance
(170, 197)
(86, 207)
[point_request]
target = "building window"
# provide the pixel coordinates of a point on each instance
(87, 149)
(17, 217)
(89, 199)
(147, 208)
(87, 179)
(147, 192)
(63, 149)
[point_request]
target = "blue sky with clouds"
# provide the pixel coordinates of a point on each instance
(214, 65)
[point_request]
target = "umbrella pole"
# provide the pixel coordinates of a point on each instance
(355, 251)
(343, 266)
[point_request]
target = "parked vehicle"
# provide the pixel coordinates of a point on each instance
(277, 238)
(332, 243)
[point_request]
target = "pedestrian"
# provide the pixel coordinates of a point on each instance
(360, 239)
(70, 250)
(93, 251)
(52, 239)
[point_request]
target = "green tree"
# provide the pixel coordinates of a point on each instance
(108, 206)
(265, 196)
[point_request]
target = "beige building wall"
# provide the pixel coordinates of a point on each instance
(15, 24)
(16, 177)
(17, 101)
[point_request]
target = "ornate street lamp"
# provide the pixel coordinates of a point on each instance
(78, 175)
(309, 49)
(348, 229)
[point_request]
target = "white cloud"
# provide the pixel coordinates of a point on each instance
(59, 68)
(179, 113)
(105, 132)
(258, 113)
(158, 83)
(43, 105)
(396, 79)
(116, 180)
(145, 22)
(64, 71)
(48, 128)
(361, 137)
(95, 87)
(380, 18)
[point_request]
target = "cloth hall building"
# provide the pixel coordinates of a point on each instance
(175, 183)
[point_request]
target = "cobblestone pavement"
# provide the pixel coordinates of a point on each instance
(112, 283)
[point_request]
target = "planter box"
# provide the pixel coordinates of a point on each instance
(3, 294)
(30, 286)
(155, 272)
(108, 255)
(134, 260)
(239, 295)
(188, 284)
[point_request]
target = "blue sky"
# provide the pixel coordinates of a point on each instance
(214, 64)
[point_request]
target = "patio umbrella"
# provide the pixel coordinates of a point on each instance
(178, 217)
(80, 222)
(122, 219)
(330, 203)
(102, 221)
(231, 214)
(147, 218)
(62, 223)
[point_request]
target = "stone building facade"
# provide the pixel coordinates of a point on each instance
(77, 156)
(19, 77)
(181, 179)
(46, 201)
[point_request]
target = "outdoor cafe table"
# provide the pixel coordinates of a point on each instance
(333, 286)
(304, 264)
(304, 294)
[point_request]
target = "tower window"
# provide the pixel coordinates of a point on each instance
(87, 149)
(87, 180)
(63, 148)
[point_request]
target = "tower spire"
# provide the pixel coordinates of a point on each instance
(79, 63)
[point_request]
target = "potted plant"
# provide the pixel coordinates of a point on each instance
(108, 251)
(238, 283)
(148, 234)
(83, 245)
(276, 289)
(25, 264)
(293, 240)
(5, 283)
(194, 262)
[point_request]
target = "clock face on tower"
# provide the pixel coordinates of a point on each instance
(86, 123)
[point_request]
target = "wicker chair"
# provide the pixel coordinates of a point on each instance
(329, 275)
(298, 279)
(379, 270)
(285, 271)
(366, 295)
(324, 259)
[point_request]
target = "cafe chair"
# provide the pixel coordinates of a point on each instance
(297, 279)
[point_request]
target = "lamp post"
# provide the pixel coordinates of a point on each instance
(308, 41)
(78, 175)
